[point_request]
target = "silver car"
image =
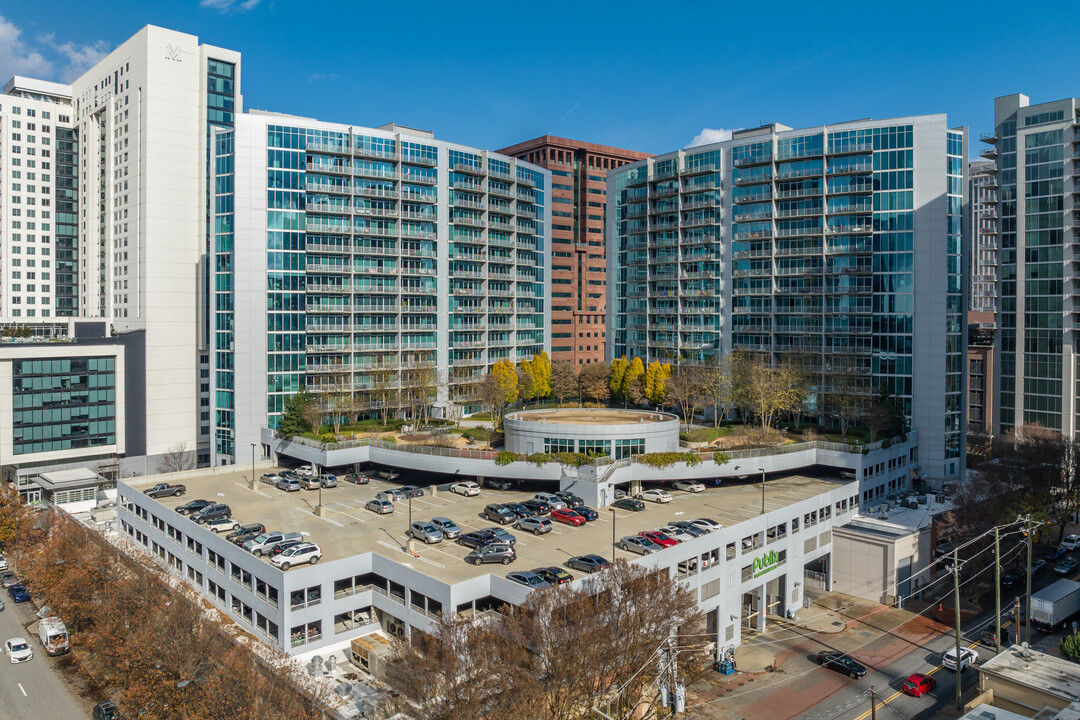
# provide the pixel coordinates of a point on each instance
(639, 545)
(535, 525)
(425, 531)
(380, 506)
(448, 527)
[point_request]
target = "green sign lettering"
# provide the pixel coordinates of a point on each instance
(765, 563)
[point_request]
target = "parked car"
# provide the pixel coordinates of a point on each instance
(387, 475)
(298, 554)
(498, 483)
(676, 533)
(918, 685)
(1070, 543)
(106, 710)
(18, 650)
(572, 501)
(1037, 564)
(553, 500)
(639, 545)
(968, 657)
(497, 513)
(535, 525)
(1067, 566)
(3, 563)
(660, 538)
(500, 535)
(380, 506)
(989, 639)
(496, 553)
(1053, 555)
(587, 512)
(538, 507)
(165, 490)
(554, 575)
(691, 486)
(264, 543)
(476, 539)
(212, 512)
(192, 506)
(629, 504)
(1010, 614)
(357, 478)
(707, 524)
(304, 471)
(224, 523)
(270, 478)
(309, 483)
(657, 495)
(19, 593)
(8, 579)
(689, 527)
(1011, 578)
(245, 532)
(841, 663)
(529, 579)
(619, 493)
(328, 480)
(587, 563)
(425, 531)
(289, 484)
(467, 488)
(567, 516)
(393, 495)
(518, 509)
(411, 491)
(447, 527)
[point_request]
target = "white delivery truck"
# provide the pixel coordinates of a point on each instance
(1055, 604)
(53, 635)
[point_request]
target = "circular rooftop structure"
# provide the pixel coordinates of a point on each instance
(597, 431)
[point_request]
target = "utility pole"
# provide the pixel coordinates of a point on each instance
(762, 490)
(1016, 617)
(1029, 530)
(997, 591)
(956, 610)
(873, 704)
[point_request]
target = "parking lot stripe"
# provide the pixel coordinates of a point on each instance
(246, 487)
(332, 522)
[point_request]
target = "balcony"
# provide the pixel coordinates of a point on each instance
(376, 192)
(377, 212)
(320, 226)
(989, 137)
(332, 169)
(748, 161)
(376, 172)
(851, 168)
(418, 160)
(753, 180)
(316, 146)
(851, 148)
(375, 153)
(752, 235)
(810, 211)
(796, 174)
(989, 153)
(419, 197)
(314, 186)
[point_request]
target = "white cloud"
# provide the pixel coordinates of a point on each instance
(710, 135)
(229, 5)
(19, 58)
(44, 58)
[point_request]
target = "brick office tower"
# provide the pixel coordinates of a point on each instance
(578, 265)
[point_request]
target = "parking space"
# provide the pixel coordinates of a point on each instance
(346, 528)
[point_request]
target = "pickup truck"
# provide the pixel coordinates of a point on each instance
(164, 490)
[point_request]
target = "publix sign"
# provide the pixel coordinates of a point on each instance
(765, 563)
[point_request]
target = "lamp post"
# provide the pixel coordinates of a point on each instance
(252, 465)
(762, 490)
(612, 534)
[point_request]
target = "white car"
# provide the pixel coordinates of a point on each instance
(706, 524)
(305, 471)
(3, 563)
(656, 495)
(221, 524)
(968, 657)
(298, 555)
(18, 650)
(467, 488)
(1070, 543)
(690, 486)
(676, 533)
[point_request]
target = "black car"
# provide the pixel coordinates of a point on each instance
(538, 507)
(1011, 578)
(586, 512)
(357, 478)
(990, 640)
(554, 575)
(245, 532)
(1053, 555)
(283, 546)
(192, 506)
(629, 504)
(212, 512)
(572, 501)
(476, 539)
(411, 491)
(518, 509)
(587, 563)
(841, 663)
(689, 527)
(106, 710)
(498, 513)
(498, 483)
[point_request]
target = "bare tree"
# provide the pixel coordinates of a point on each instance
(764, 389)
(564, 380)
(687, 386)
(847, 394)
(383, 392)
(594, 381)
(176, 459)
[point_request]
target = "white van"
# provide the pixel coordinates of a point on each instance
(53, 635)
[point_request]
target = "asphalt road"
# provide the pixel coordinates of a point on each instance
(32, 690)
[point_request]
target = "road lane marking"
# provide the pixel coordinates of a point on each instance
(21, 688)
(898, 693)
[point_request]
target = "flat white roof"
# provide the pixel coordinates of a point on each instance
(1039, 671)
(19, 83)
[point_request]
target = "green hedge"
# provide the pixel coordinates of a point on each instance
(667, 459)
(505, 457)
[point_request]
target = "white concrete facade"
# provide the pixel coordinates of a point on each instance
(526, 432)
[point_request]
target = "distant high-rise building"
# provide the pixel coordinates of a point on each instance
(578, 265)
(839, 247)
(982, 221)
(1038, 171)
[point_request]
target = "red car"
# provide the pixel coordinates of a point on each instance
(918, 685)
(661, 539)
(567, 516)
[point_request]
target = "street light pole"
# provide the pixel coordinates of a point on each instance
(612, 534)
(762, 490)
(253, 481)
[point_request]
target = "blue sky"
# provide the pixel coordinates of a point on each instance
(645, 76)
